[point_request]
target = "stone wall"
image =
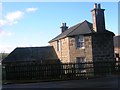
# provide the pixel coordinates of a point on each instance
(103, 52)
(88, 48)
(103, 49)
(98, 47)
(85, 52)
(69, 52)
(54, 44)
(80, 52)
(75, 52)
(63, 54)
(65, 50)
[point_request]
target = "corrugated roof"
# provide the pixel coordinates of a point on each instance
(31, 54)
(81, 28)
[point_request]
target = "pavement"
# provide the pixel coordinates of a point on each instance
(107, 83)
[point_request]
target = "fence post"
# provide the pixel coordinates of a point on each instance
(4, 73)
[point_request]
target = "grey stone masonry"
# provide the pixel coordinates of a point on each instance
(102, 46)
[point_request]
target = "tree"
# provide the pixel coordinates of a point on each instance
(3, 55)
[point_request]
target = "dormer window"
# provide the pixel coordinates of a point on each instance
(80, 41)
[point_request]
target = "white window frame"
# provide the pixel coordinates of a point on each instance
(80, 41)
(58, 45)
(80, 66)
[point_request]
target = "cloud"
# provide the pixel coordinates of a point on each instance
(7, 22)
(3, 22)
(13, 17)
(31, 9)
(5, 33)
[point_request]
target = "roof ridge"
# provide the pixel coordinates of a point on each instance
(89, 26)
(32, 47)
(66, 31)
(77, 26)
(73, 29)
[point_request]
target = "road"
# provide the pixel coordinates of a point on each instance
(104, 82)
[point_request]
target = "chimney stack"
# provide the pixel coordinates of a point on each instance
(63, 27)
(95, 5)
(98, 18)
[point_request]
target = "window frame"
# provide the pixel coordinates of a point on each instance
(79, 65)
(80, 42)
(58, 45)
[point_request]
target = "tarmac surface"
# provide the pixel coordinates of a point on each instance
(106, 83)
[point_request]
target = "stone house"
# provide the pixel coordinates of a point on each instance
(85, 42)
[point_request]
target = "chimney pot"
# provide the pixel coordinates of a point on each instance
(95, 5)
(62, 24)
(65, 24)
(99, 6)
(63, 27)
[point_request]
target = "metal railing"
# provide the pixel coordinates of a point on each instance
(34, 71)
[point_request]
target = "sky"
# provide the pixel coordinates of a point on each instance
(33, 24)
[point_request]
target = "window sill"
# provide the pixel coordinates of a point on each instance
(81, 48)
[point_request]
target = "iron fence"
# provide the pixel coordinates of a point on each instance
(34, 71)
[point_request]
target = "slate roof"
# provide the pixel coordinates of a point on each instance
(81, 28)
(31, 54)
(117, 41)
